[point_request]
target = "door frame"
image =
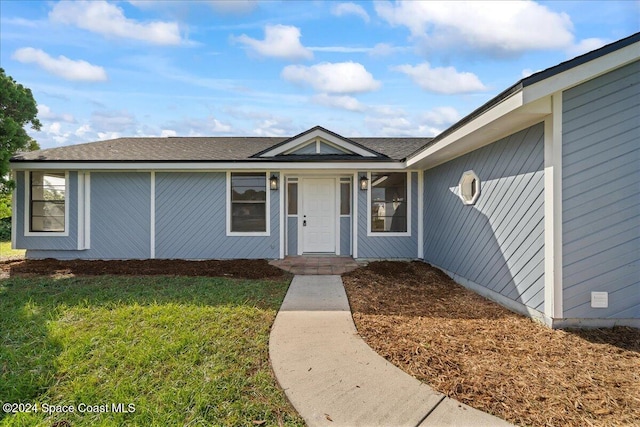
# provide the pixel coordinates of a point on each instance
(336, 211)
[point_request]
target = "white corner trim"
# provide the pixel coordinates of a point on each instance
(87, 210)
(152, 221)
(336, 213)
(14, 210)
(354, 218)
(553, 211)
(282, 191)
(420, 214)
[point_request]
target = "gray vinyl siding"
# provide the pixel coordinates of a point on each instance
(345, 235)
(120, 218)
(497, 243)
(191, 211)
(601, 205)
(292, 235)
(404, 247)
(69, 242)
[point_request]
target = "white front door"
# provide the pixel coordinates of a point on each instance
(318, 215)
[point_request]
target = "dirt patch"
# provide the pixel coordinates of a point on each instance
(242, 268)
(482, 354)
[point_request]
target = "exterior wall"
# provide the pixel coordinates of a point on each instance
(120, 219)
(69, 242)
(191, 211)
(601, 206)
(292, 235)
(345, 236)
(495, 246)
(190, 220)
(403, 247)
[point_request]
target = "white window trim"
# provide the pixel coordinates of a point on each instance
(27, 208)
(409, 204)
(463, 178)
(267, 209)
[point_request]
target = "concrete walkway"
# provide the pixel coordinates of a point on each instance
(333, 378)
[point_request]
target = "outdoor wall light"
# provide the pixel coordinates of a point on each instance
(273, 182)
(364, 182)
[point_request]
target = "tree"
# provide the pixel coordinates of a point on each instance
(17, 110)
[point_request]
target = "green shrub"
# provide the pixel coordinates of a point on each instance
(5, 229)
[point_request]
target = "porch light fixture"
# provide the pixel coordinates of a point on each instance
(364, 182)
(273, 182)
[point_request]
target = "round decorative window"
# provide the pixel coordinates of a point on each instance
(469, 187)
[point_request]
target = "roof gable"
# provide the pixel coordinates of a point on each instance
(318, 141)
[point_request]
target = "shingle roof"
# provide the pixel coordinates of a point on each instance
(198, 149)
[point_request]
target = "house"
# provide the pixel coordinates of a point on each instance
(531, 200)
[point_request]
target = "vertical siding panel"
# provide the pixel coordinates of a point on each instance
(601, 207)
(292, 235)
(345, 236)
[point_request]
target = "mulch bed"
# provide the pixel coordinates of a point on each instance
(482, 354)
(244, 269)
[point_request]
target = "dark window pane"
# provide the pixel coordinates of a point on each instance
(248, 217)
(389, 202)
(292, 197)
(248, 186)
(345, 198)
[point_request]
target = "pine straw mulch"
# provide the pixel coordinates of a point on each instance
(238, 268)
(478, 352)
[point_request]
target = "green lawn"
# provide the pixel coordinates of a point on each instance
(7, 252)
(182, 351)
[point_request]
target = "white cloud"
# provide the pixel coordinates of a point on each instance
(109, 20)
(280, 41)
(499, 27)
(386, 49)
(45, 113)
(343, 102)
(586, 45)
(168, 132)
(340, 49)
(339, 77)
(444, 80)
(273, 127)
(343, 9)
(441, 117)
(74, 70)
(83, 130)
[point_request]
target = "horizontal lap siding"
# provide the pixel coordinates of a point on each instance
(498, 243)
(386, 246)
(33, 243)
(191, 220)
(601, 205)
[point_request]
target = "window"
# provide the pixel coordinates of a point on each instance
(248, 202)
(388, 202)
(292, 198)
(47, 202)
(469, 187)
(345, 198)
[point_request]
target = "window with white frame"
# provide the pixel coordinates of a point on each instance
(469, 187)
(388, 202)
(47, 202)
(248, 202)
(345, 196)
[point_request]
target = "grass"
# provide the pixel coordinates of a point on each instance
(183, 351)
(7, 252)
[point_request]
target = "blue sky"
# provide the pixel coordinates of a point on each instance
(101, 70)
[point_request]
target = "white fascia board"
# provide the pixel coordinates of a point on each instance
(207, 166)
(318, 133)
(506, 106)
(581, 73)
